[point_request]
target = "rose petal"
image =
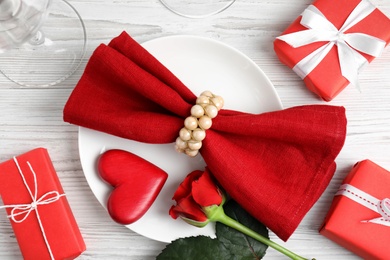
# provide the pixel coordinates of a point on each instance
(173, 212)
(184, 189)
(205, 192)
(188, 208)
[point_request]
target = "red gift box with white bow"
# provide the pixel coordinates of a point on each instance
(359, 217)
(331, 41)
(40, 215)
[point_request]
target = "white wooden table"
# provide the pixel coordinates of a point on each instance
(32, 117)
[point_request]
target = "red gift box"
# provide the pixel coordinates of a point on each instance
(326, 78)
(39, 212)
(359, 217)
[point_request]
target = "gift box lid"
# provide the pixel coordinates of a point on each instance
(326, 79)
(51, 219)
(346, 223)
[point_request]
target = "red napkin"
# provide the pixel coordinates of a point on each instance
(275, 164)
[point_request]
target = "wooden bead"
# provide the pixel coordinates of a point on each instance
(202, 100)
(217, 101)
(194, 145)
(207, 93)
(185, 134)
(205, 122)
(180, 144)
(211, 111)
(197, 111)
(191, 123)
(191, 153)
(195, 126)
(198, 134)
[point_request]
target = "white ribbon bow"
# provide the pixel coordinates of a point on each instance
(25, 209)
(322, 30)
(381, 207)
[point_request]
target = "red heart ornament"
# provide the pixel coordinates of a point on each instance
(136, 183)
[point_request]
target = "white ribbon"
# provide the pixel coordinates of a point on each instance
(322, 30)
(25, 209)
(382, 207)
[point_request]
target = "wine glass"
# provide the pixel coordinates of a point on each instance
(197, 8)
(42, 42)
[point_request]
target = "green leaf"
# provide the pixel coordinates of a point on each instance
(241, 246)
(200, 247)
(229, 244)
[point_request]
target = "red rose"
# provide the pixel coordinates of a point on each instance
(197, 192)
(199, 201)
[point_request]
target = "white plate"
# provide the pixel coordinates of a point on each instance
(202, 64)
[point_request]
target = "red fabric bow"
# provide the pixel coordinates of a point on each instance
(275, 164)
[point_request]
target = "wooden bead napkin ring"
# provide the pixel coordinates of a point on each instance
(195, 126)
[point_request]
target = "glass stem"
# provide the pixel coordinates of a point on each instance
(37, 39)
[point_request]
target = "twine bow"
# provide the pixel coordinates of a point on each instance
(381, 207)
(348, 44)
(24, 210)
